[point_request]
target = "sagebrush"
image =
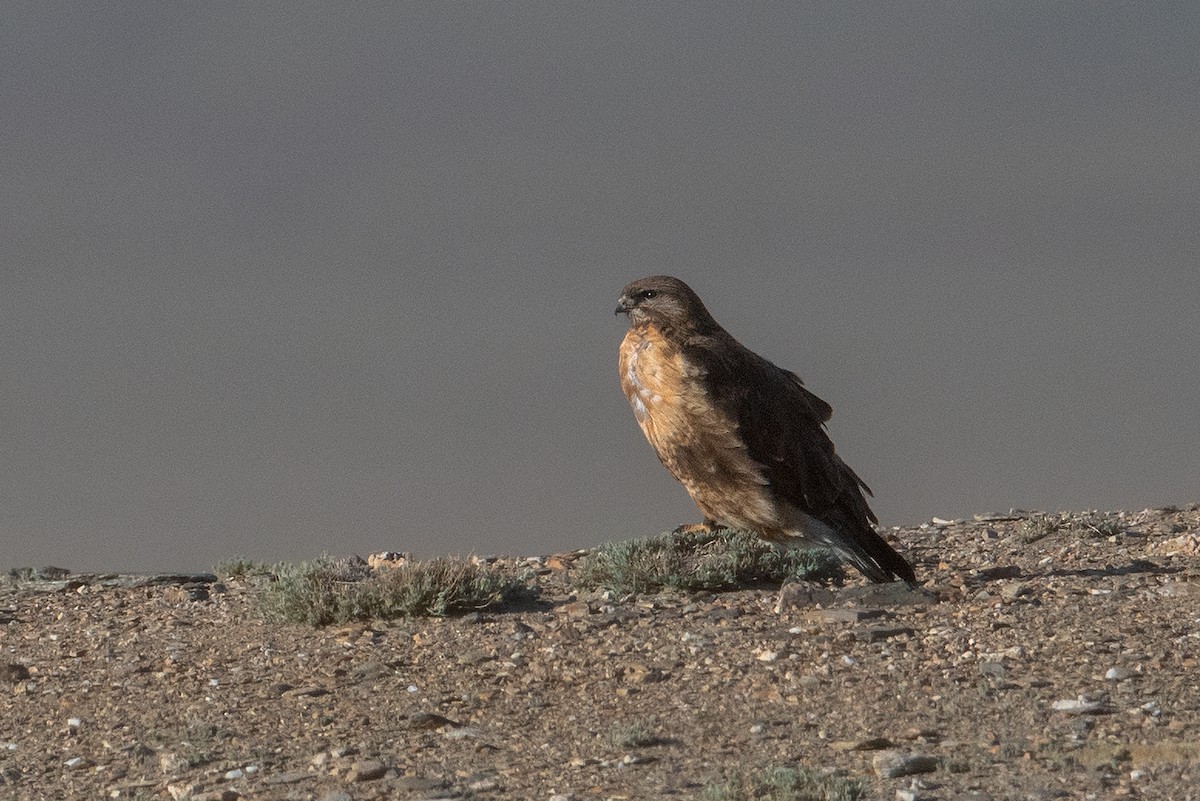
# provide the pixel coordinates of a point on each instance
(326, 591)
(778, 783)
(711, 560)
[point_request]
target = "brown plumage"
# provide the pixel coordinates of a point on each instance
(744, 437)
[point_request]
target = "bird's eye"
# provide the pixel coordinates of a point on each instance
(646, 294)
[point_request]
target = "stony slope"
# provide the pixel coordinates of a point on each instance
(1045, 657)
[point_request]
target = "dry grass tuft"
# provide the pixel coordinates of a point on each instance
(1080, 524)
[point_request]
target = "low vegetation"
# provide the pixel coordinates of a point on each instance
(240, 567)
(1081, 524)
(327, 591)
(330, 591)
(634, 734)
(785, 784)
(720, 560)
(20, 576)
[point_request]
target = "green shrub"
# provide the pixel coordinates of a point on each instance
(785, 784)
(240, 567)
(327, 591)
(720, 560)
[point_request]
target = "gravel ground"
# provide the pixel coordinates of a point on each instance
(1044, 657)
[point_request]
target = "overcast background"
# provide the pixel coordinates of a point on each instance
(338, 278)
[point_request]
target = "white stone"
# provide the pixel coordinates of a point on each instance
(1077, 706)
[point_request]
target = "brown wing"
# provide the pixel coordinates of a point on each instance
(782, 426)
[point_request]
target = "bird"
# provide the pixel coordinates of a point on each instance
(746, 438)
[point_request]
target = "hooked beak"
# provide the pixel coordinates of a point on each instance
(622, 305)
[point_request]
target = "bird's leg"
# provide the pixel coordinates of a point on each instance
(709, 526)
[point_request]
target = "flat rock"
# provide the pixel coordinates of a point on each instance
(426, 721)
(803, 595)
(56, 582)
(366, 771)
(1000, 572)
(894, 593)
(420, 784)
(1000, 517)
(869, 744)
(842, 615)
(1015, 590)
(1080, 706)
(880, 633)
(891, 764)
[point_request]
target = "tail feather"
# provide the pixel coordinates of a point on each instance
(868, 552)
(877, 560)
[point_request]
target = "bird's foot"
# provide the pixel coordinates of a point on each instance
(707, 527)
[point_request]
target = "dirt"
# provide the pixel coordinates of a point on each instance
(1042, 658)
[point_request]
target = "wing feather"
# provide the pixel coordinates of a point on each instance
(782, 425)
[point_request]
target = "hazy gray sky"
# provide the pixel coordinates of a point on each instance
(340, 278)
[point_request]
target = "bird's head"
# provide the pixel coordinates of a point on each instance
(665, 302)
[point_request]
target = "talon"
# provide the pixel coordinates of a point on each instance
(709, 526)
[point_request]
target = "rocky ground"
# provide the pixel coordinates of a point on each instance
(1045, 657)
